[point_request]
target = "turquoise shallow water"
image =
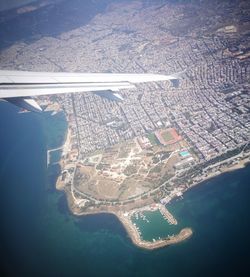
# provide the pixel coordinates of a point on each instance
(39, 236)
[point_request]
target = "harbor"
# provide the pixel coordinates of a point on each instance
(153, 226)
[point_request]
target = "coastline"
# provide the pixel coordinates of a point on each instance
(242, 164)
(77, 206)
(133, 233)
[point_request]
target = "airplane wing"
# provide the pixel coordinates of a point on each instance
(18, 87)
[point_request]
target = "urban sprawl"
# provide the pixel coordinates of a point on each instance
(173, 134)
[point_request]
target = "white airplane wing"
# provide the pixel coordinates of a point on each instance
(18, 86)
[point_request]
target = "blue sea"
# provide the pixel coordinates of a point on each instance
(40, 237)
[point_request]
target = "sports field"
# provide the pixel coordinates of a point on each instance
(167, 136)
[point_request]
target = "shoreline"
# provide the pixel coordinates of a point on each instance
(131, 231)
(121, 212)
(241, 165)
(134, 235)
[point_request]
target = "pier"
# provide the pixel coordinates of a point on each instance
(52, 150)
(167, 215)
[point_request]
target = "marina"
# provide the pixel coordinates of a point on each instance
(155, 222)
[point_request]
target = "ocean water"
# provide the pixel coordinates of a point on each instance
(40, 237)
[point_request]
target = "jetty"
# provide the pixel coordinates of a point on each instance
(52, 150)
(167, 215)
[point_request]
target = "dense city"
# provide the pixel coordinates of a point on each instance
(207, 104)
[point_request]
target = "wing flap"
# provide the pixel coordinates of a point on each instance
(25, 103)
